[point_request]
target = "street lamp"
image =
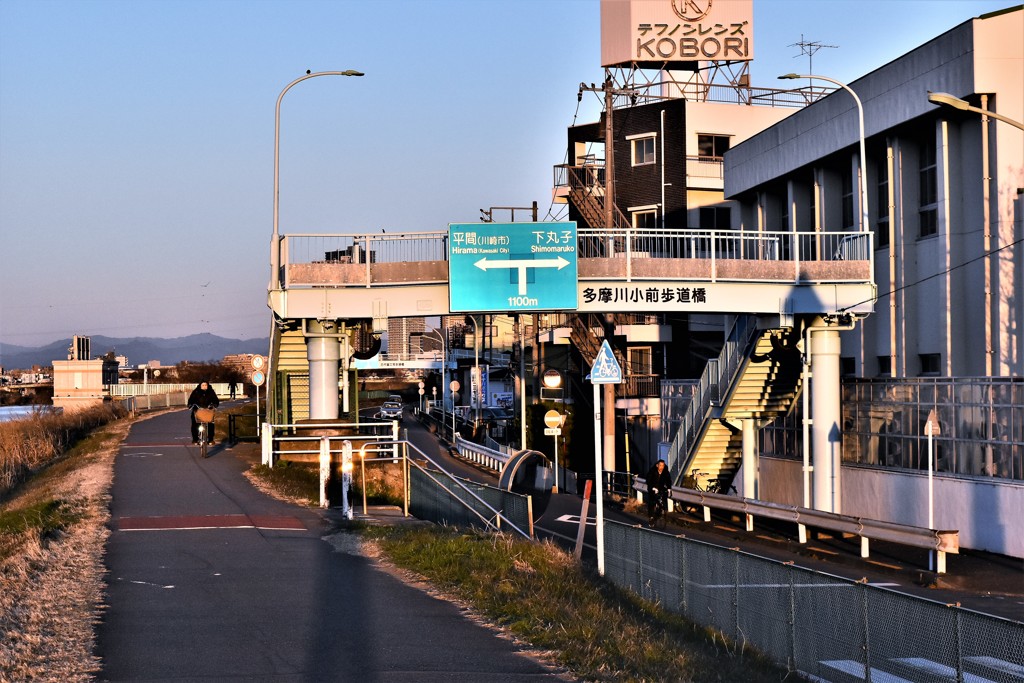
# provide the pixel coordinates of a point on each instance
(478, 397)
(275, 252)
(444, 363)
(863, 158)
(943, 98)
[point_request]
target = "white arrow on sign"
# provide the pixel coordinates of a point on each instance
(522, 265)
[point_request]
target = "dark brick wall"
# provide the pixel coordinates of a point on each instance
(641, 185)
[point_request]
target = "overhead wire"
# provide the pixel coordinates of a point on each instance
(933, 276)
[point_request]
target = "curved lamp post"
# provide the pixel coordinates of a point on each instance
(948, 100)
(275, 252)
(863, 158)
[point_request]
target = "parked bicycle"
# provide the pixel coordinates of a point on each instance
(717, 485)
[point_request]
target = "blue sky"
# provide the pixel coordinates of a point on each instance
(136, 137)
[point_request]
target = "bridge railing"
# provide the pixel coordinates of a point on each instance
(362, 260)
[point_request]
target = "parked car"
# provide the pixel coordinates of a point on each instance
(390, 411)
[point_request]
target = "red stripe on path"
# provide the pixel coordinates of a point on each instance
(208, 522)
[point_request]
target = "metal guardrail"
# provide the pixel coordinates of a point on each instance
(824, 626)
(275, 434)
(941, 541)
(480, 455)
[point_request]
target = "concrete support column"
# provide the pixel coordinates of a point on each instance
(826, 431)
(750, 459)
(323, 354)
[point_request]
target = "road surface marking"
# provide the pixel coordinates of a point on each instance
(193, 522)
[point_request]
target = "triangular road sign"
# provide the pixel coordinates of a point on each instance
(606, 369)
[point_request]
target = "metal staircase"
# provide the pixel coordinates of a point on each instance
(290, 378)
(584, 195)
(756, 376)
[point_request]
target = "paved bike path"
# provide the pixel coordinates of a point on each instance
(211, 580)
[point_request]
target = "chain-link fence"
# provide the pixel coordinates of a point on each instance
(435, 496)
(825, 626)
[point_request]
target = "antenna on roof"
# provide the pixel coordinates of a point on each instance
(809, 47)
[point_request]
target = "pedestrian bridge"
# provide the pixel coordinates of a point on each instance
(330, 292)
(376, 276)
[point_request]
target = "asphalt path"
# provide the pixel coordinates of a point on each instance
(211, 580)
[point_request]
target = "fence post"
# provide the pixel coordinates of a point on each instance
(736, 595)
(267, 444)
(867, 633)
(792, 619)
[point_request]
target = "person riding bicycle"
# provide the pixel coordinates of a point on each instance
(203, 396)
(659, 482)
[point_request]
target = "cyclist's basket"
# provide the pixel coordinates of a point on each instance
(204, 414)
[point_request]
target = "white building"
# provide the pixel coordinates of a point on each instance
(945, 195)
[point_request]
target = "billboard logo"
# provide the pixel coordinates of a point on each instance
(691, 10)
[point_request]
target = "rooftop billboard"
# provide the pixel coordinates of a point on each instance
(670, 33)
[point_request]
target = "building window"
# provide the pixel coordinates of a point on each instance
(848, 199)
(928, 210)
(645, 220)
(640, 360)
(847, 366)
(715, 218)
(643, 150)
(712, 145)
(931, 364)
(882, 224)
(884, 366)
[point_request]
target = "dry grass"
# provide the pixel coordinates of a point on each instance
(538, 594)
(32, 443)
(53, 534)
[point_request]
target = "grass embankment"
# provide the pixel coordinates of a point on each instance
(53, 511)
(540, 595)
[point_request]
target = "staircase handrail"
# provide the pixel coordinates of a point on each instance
(715, 382)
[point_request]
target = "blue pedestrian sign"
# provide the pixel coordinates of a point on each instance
(511, 267)
(606, 369)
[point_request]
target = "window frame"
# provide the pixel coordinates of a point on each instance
(643, 138)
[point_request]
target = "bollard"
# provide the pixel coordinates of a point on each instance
(325, 469)
(346, 477)
(267, 444)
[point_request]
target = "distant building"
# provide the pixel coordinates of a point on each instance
(401, 337)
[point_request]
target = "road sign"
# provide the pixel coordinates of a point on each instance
(512, 267)
(258, 362)
(606, 368)
(552, 431)
(258, 377)
(552, 419)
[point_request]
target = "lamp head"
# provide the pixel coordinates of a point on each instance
(352, 72)
(947, 99)
(789, 77)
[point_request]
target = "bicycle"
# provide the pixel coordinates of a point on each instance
(204, 417)
(658, 517)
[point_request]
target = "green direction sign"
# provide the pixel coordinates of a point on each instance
(511, 267)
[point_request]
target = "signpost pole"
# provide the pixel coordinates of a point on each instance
(598, 479)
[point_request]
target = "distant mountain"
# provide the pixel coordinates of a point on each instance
(195, 347)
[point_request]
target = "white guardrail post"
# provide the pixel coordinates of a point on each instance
(325, 468)
(267, 443)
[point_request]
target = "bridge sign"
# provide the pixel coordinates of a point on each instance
(606, 369)
(512, 267)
